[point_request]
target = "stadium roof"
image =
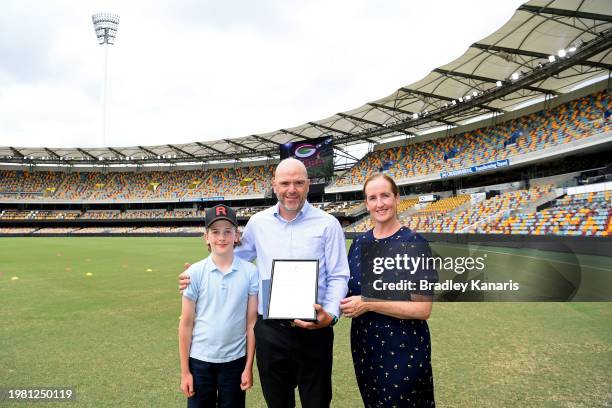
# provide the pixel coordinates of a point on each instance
(546, 49)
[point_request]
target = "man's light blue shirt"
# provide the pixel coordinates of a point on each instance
(313, 234)
(219, 331)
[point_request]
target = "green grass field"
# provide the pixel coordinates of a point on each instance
(113, 334)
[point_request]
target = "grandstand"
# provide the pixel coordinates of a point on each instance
(575, 120)
(134, 186)
(176, 195)
(579, 214)
(579, 119)
(467, 220)
(586, 214)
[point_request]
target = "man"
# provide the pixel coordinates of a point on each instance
(296, 353)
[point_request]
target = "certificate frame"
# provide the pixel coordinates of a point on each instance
(278, 296)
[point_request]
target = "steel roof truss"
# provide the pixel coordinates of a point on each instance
(385, 108)
(86, 153)
(345, 154)
(490, 80)
(409, 113)
(288, 132)
(212, 149)
(117, 153)
(264, 140)
(350, 136)
(17, 152)
(52, 153)
(534, 54)
(239, 145)
(178, 149)
(330, 129)
(370, 122)
(565, 13)
(444, 98)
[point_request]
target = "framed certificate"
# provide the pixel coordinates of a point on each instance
(293, 289)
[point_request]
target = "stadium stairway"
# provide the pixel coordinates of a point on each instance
(472, 228)
(410, 211)
(60, 186)
(357, 211)
(361, 225)
(459, 209)
(546, 198)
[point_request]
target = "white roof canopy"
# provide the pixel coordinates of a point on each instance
(527, 46)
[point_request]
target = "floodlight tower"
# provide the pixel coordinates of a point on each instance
(106, 26)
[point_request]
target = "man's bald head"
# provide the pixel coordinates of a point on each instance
(291, 165)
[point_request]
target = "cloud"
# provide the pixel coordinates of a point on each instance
(183, 71)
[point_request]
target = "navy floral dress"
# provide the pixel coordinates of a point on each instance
(392, 357)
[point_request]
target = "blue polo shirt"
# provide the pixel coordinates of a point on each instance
(219, 331)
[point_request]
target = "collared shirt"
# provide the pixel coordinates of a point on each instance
(312, 234)
(219, 331)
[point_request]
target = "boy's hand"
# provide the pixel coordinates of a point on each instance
(246, 380)
(187, 385)
(184, 278)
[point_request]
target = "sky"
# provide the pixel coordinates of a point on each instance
(198, 70)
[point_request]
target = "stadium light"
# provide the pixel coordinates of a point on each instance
(551, 58)
(515, 76)
(105, 26)
(498, 84)
(571, 49)
(561, 53)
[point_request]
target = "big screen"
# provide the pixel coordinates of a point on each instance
(316, 154)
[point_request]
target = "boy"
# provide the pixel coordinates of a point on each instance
(219, 311)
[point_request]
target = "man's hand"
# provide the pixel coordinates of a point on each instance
(246, 380)
(184, 278)
(353, 306)
(187, 385)
(323, 320)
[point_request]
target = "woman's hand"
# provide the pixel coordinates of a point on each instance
(353, 306)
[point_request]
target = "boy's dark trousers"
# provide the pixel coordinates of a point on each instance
(217, 384)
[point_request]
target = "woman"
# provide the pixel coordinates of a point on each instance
(389, 339)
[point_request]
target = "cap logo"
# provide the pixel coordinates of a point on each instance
(220, 211)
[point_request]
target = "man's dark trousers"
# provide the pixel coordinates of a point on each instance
(291, 356)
